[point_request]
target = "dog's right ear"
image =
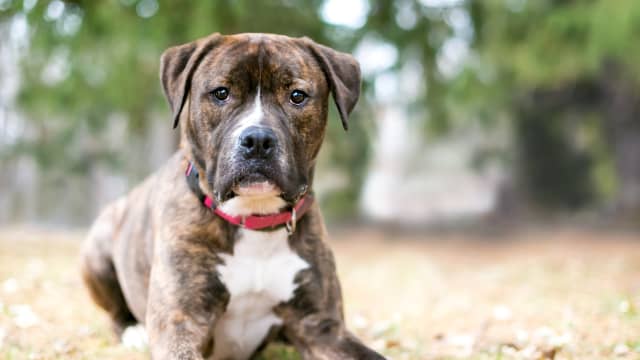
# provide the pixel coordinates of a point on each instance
(177, 66)
(342, 72)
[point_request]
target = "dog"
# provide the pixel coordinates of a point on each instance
(223, 249)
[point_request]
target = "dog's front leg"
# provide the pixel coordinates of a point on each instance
(322, 337)
(177, 335)
(346, 347)
(185, 298)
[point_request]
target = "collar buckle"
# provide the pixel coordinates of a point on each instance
(291, 224)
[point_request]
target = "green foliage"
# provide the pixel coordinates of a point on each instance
(553, 41)
(561, 49)
(107, 54)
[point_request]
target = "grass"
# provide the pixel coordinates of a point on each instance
(563, 294)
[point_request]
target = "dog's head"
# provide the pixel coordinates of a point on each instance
(254, 112)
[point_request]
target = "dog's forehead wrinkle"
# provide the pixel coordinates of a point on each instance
(259, 60)
(261, 56)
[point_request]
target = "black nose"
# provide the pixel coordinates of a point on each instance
(258, 142)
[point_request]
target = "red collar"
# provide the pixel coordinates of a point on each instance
(287, 218)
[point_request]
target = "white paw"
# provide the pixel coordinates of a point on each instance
(135, 337)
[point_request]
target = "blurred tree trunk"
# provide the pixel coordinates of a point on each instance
(621, 110)
(550, 172)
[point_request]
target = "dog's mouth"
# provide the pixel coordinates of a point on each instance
(256, 184)
(258, 181)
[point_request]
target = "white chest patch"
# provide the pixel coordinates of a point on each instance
(259, 275)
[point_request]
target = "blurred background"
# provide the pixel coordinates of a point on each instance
(496, 114)
(470, 108)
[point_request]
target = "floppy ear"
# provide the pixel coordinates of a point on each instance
(177, 66)
(342, 72)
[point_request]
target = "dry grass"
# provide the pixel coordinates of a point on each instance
(566, 294)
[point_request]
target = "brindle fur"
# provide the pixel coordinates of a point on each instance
(151, 256)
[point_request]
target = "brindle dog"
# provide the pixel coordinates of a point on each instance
(253, 109)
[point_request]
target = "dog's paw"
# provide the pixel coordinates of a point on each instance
(135, 337)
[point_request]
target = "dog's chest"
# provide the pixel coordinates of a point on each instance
(258, 275)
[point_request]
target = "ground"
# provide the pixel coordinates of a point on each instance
(563, 293)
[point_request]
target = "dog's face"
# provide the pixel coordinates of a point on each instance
(254, 111)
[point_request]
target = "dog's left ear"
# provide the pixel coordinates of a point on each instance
(177, 66)
(342, 72)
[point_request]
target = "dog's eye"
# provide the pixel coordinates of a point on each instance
(298, 97)
(221, 93)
